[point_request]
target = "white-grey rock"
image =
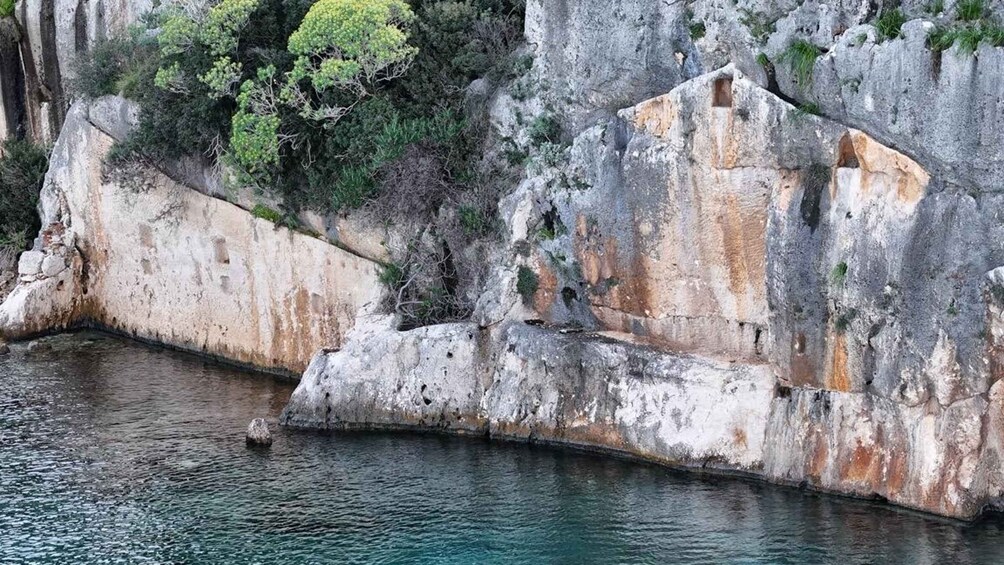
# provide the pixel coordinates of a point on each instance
(30, 263)
(238, 286)
(36, 347)
(52, 265)
(258, 434)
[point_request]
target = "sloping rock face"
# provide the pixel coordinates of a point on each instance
(763, 291)
(136, 252)
(528, 383)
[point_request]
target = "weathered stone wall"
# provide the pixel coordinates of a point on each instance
(830, 290)
(137, 252)
(527, 383)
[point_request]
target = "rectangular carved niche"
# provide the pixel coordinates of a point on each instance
(722, 97)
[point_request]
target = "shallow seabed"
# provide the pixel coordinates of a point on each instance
(117, 452)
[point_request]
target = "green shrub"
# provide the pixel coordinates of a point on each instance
(473, 221)
(544, 129)
(800, 57)
(392, 276)
(697, 30)
(527, 283)
(941, 38)
(890, 23)
(116, 66)
(266, 213)
(993, 34)
(970, 10)
(839, 273)
(809, 109)
(759, 26)
(969, 38)
(935, 7)
(6, 8)
(22, 168)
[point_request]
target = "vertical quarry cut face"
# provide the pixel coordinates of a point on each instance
(134, 251)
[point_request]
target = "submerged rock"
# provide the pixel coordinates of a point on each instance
(4, 349)
(258, 434)
(38, 347)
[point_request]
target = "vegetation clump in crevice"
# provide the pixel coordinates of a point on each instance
(527, 283)
(889, 25)
(800, 58)
(22, 169)
(974, 24)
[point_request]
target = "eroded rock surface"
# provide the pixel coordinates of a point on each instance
(528, 383)
(754, 288)
(136, 252)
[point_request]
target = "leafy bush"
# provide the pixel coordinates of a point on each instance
(800, 57)
(527, 283)
(116, 66)
(697, 30)
(266, 213)
(544, 129)
(22, 168)
(6, 8)
(968, 37)
(332, 112)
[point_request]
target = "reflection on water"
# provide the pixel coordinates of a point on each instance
(112, 451)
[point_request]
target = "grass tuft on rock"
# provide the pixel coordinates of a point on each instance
(800, 58)
(971, 10)
(890, 24)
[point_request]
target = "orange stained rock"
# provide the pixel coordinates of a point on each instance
(837, 378)
(863, 466)
(655, 116)
(889, 169)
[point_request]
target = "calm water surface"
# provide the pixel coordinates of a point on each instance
(114, 452)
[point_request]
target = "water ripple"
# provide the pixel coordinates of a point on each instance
(113, 452)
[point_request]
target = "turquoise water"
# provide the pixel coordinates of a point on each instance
(114, 452)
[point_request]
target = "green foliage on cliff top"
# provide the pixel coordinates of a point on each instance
(22, 168)
(6, 8)
(313, 100)
(332, 105)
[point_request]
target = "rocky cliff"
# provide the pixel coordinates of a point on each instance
(722, 262)
(829, 280)
(39, 46)
(136, 252)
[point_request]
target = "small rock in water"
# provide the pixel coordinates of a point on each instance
(258, 434)
(38, 347)
(4, 349)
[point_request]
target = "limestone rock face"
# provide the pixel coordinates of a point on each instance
(137, 252)
(39, 57)
(533, 384)
(599, 57)
(725, 282)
